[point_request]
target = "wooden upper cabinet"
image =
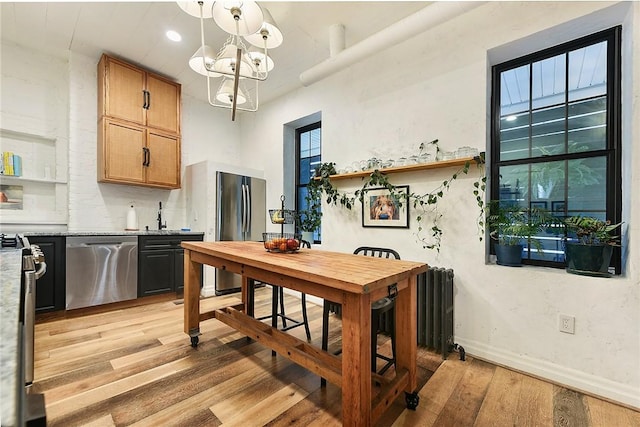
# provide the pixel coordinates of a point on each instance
(163, 104)
(124, 92)
(122, 152)
(138, 126)
(163, 165)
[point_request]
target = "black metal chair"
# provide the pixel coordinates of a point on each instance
(378, 309)
(277, 307)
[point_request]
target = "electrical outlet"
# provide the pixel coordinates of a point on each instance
(567, 323)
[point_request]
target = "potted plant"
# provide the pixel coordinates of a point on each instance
(310, 219)
(511, 225)
(589, 253)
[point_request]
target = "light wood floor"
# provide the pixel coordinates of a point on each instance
(135, 366)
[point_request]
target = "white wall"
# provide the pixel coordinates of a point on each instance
(437, 85)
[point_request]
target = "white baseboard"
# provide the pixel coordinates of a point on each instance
(571, 378)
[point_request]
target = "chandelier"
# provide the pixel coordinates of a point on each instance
(238, 68)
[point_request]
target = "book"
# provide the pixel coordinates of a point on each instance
(17, 165)
(7, 159)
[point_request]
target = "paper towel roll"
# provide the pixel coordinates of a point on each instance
(132, 219)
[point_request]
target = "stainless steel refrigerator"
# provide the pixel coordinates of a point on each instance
(241, 215)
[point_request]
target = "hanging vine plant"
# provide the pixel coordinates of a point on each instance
(429, 232)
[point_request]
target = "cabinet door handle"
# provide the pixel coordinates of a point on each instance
(148, 157)
(148, 99)
(145, 156)
(144, 99)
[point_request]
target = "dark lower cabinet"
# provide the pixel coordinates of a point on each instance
(50, 288)
(179, 270)
(160, 263)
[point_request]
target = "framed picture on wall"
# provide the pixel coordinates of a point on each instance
(538, 205)
(382, 209)
(11, 197)
(557, 207)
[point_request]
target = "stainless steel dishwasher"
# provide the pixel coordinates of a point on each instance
(101, 270)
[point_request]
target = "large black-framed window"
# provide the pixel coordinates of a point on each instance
(308, 157)
(555, 137)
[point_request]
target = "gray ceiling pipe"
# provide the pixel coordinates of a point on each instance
(425, 19)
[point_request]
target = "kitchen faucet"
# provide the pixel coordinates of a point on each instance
(160, 224)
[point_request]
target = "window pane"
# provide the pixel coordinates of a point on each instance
(514, 113)
(308, 169)
(588, 71)
(587, 186)
(514, 136)
(548, 131)
(305, 170)
(548, 192)
(314, 136)
(548, 82)
(305, 144)
(302, 198)
(514, 91)
(548, 179)
(588, 125)
(514, 185)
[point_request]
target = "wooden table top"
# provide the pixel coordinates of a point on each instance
(345, 271)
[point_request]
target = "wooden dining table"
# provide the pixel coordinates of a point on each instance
(354, 281)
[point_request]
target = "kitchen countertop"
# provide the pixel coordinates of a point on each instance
(10, 271)
(114, 233)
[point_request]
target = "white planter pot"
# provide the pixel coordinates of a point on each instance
(308, 236)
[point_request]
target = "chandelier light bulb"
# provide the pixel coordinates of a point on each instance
(239, 20)
(225, 93)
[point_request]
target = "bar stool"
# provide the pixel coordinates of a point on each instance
(378, 309)
(277, 307)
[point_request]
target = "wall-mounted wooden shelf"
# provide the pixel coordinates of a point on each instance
(410, 168)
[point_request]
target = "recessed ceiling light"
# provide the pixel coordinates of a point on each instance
(173, 36)
(511, 118)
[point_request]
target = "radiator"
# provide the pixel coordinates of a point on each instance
(435, 310)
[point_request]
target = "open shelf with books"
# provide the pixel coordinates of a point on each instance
(33, 182)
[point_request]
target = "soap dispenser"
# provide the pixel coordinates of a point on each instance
(132, 220)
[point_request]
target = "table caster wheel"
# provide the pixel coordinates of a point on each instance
(194, 342)
(412, 400)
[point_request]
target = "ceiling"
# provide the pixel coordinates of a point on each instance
(135, 31)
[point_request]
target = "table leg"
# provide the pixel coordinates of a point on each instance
(274, 311)
(406, 333)
(356, 360)
(191, 298)
(248, 295)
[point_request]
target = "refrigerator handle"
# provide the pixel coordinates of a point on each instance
(244, 208)
(219, 211)
(248, 222)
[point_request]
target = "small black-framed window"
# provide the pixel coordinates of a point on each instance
(555, 135)
(308, 157)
